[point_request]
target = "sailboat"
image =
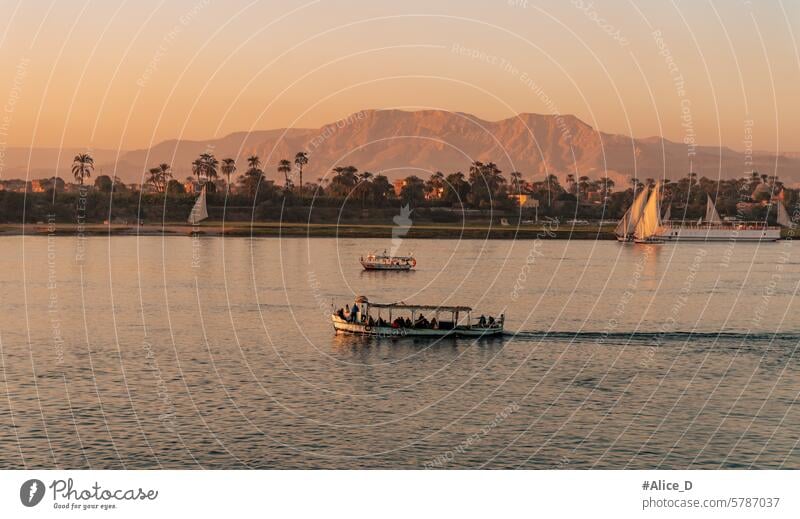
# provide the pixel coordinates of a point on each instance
(712, 216)
(648, 228)
(643, 223)
(627, 225)
(199, 211)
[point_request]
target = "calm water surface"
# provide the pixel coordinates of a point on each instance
(174, 352)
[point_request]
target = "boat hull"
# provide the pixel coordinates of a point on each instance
(719, 233)
(379, 266)
(345, 327)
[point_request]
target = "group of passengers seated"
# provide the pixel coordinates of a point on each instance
(483, 322)
(354, 315)
(419, 322)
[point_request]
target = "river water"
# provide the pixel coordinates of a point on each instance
(179, 352)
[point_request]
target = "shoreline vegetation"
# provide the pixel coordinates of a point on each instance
(481, 204)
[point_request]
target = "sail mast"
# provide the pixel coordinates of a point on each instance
(621, 229)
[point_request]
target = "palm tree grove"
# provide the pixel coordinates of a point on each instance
(480, 193)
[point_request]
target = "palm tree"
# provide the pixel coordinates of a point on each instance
(434, 187)
(159, 177)
(285, 167)
(300, 160)
(583, 185)
(205, 166)
(381, 189)
(154, 179)
(364, 186)
(210, 164)
(253, 177)
(82, 167)
(197, 168)
(571, 185)
(516, 181)
(551, 183)
(344, 180)
(456, 188)
(228, 168)
(607, 186)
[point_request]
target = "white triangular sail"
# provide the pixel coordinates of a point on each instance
(667, 214)
(712, 216)
(636, 210)
(199, 211)
(784, 220)
(650, 223)
(621, 229)
(627, 225)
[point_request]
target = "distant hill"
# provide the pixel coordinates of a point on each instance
(399, 143)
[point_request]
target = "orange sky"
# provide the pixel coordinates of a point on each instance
(103, 74)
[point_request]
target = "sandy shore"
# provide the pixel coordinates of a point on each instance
(268, 229)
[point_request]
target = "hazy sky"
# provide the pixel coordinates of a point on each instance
(125, 74)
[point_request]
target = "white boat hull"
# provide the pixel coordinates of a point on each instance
(383, 266)
(342, 326)
(718, 233)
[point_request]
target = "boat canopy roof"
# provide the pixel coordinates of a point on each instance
(407, 306)
(386, 256)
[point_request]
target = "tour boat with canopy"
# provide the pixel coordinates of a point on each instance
(407, 320)
(385, 261)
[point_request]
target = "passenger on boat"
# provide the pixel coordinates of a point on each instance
(434, 324)
(354, 313)
(407, 323)
(340, 313)
(482, 320)
(491, 320)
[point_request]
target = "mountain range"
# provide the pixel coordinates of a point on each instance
(400, 143)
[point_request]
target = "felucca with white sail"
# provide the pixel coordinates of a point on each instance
(199, 211)
(627, 226)
(648, 227)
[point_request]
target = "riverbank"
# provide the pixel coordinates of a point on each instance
(344, 230)
(349, 230)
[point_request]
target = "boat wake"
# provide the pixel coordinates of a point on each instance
(639, 337)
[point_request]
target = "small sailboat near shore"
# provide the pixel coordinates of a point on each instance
(626, 227)
(649, 225)
(200, 210)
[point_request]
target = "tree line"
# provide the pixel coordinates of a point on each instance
(483, 187)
